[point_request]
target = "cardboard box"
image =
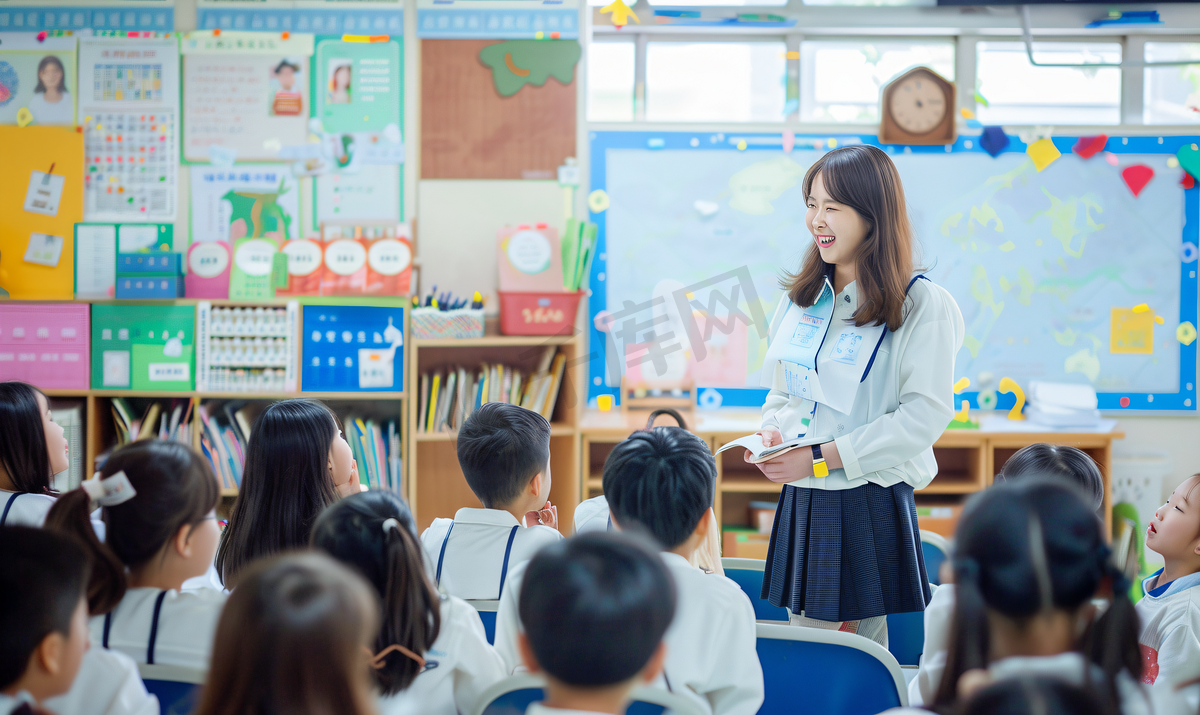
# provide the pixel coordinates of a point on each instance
(744, 543)
(939, 518)
(137, 347)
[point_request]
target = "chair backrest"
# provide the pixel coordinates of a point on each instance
(177, 688)
(487, 614)
(936, 549)
(513, 695)
(906, 636)
(827, 671)
(748, 574)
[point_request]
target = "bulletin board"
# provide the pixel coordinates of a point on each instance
(33, 267)
(1063, 274)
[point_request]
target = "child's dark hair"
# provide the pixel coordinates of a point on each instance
(23, 452)
(50, 60)
(1022, 696)
(374, 532)
(292, 639)
(42, 577)
(663, 479)
(285, 485)
(1027, 547)
(595, 608)
(175, 488)
(501, 447)
(1056, 462)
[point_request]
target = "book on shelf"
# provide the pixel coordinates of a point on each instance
(162, 419)
(448, 396)
(376, 448)
(71, 420)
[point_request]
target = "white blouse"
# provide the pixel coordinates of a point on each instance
(108, 683)
(900, 409)
(186, 627)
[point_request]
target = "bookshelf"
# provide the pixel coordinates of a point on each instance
(436, 487)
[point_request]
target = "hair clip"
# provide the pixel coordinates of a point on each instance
(109, 492)
(389, 524)
(378, 658)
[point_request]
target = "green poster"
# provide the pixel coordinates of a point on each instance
(137, 347)
(360, 85)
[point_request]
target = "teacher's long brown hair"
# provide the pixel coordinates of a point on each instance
(865, 179)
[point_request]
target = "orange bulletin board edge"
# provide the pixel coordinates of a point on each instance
(24, 150)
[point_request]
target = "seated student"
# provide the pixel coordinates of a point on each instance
(663, 481)
(1046, 461)
(504, 452)
(158, 500)
(1044, 696)
(43, 616)
(1029, 558)
(435, 657)
(1170, 610)
(597, 606)
(294, 638)
(297, 463)
(32, 451)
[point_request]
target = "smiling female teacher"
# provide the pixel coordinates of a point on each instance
(861, 366)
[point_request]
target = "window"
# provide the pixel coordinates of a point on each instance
(840, 80)
(610, 81)
(1013, 91)
(715, 81)
(1172, 94)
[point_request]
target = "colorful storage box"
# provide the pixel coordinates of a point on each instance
(353, 349)
(138, 347)
(538, 313)
(431, 323)
(45, 345)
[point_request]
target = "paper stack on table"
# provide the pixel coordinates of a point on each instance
(1058, 405)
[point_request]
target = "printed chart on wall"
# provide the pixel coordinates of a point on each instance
(244, 201)
(38, 77)
(360, 86)
(245, 94)
(1041, 261)
(130, 111)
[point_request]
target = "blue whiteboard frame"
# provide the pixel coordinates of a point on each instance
(600, 142)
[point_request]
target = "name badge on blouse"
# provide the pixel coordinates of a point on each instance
(801, 332)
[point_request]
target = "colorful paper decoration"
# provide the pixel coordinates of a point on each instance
(789, 141)
(620, 13)
(1136, 177)
(598, 201)
(1187, 181)
(1043, 152)
(1186, 333)
(1189, 159)
(1007, 384)
(519, 62)
(1087, 147)
(993, 140)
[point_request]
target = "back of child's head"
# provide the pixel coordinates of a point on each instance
(43, 576)
(285, 486)
(1056, 461)
(374, 532)
(501, 447)
(23, 453)
(662, 479)
(293, 638)
(1029, 696)
(173, 488)
(1030, 548)
(595, 608)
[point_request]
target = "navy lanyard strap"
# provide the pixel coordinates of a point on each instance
(885, 330)
(8, 506)
(154, 628)
(108, 619)
(609, 522)
(442, 554)
(507, 552)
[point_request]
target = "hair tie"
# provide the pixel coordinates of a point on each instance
(378, 658)
(108, 492)
(389, 524)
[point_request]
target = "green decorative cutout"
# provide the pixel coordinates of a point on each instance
(519, 62)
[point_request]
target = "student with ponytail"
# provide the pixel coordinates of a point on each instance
(1029, 559)
(158, 501)
(431, 656)
(32, 451)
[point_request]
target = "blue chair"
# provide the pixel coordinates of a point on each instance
(936, 550)
(177, 688)
(906, 637)
(819, 671)
(748, 574)
(513, 695)
(487, 613)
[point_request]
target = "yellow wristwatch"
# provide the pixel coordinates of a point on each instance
(820, 469)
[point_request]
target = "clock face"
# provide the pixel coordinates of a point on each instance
(917, 105)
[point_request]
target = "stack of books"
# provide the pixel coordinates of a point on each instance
(448, 397)
(376, 448)
(1060, 405)
(166, 419)
(225, 433)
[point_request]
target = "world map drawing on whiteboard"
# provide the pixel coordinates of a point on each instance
(1061, 274)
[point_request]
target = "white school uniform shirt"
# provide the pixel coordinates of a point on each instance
(473, 553)
(539, 709)
(459, 667)
(60, 112)
(29, 509)
(939, 614)
(711, 645)
(8, 703)
(900, 409)
(108, 683)
(593, 515)
(1170, 631)
(187, 624)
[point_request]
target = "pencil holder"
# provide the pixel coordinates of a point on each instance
(431, 323)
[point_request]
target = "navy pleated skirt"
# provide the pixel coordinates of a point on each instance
(842, 555)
